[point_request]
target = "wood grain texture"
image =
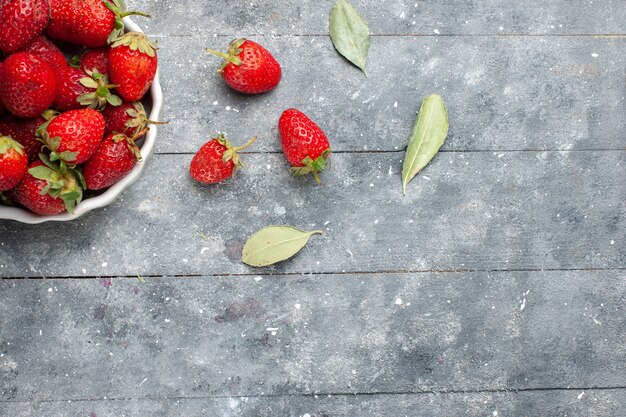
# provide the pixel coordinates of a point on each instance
(502, 93)
(350, 334)
(485, 211)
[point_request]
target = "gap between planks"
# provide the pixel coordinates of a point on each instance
(290, 274)
(384, 151)
(406, 35)
(327, 394)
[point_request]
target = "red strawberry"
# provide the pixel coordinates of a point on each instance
(90, 23)
(24, 131)
(74, 135)
(248, 67)
(132, 64)
(305, 145)
(96, 60)
(115, 158)
(44, 49)
(47, 191)
(27, 85)
(22, 21)
(78, 89)
(3, 109)
(70, 88)
(13, 163)
(129, 119)
(216, 161)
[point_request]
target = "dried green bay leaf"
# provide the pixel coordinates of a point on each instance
(349, 33)
(429, 134)
(274, 244)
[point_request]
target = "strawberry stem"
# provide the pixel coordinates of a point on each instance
(152, 122)
(220, 54)
(244, 146)
(135, 14)
(317, 177)
(139, 134)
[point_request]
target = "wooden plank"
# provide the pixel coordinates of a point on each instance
(446, 17)
(469, 211)
(592, 403)
(275, 336)
(504, 93)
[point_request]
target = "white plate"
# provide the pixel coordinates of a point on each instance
(111, 194)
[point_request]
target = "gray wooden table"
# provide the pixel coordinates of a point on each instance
(495, 288)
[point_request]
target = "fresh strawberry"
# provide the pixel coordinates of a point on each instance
(73, 136)
(96, 60)
(305, 145)
(24, 131)
(129, 119)
(91, 23)
(78, 89)
(115, 158)
(13, 163)
(70, 89)
(3, 109)
(216, 161)
(248, 67)
(132, 65)
(44, 49)
(22, 21)
(46, 190)
(27, 85)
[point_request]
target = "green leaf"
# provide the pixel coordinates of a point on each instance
(88, 82)
(114, 100)
(274, 244)
(42, 173)
(429, 134)
(350, 33)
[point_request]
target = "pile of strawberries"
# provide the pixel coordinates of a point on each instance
(69, 127)
(249, 68)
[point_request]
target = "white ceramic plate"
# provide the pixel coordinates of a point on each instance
(111, 194)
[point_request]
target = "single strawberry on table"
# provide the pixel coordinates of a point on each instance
(128, 118)
(115, 157)
(77, 89)
(304, 144)
(44, 49)
(21, 22)
(216, 161)
(91, 23)
(13, 163)
(132, 65)
(248, 67)
(73, 136)
(27, 85)
(47, 190)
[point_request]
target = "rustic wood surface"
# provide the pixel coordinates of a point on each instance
(496, 287)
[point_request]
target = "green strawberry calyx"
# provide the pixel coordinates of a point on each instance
(232, 56)
(66, 184)
(118, 7)
(139, 119)
(136, 41)
(65, 158)
(231, 153)
(98, 99)
(7, 143)
(130, 141)
(310, 165)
